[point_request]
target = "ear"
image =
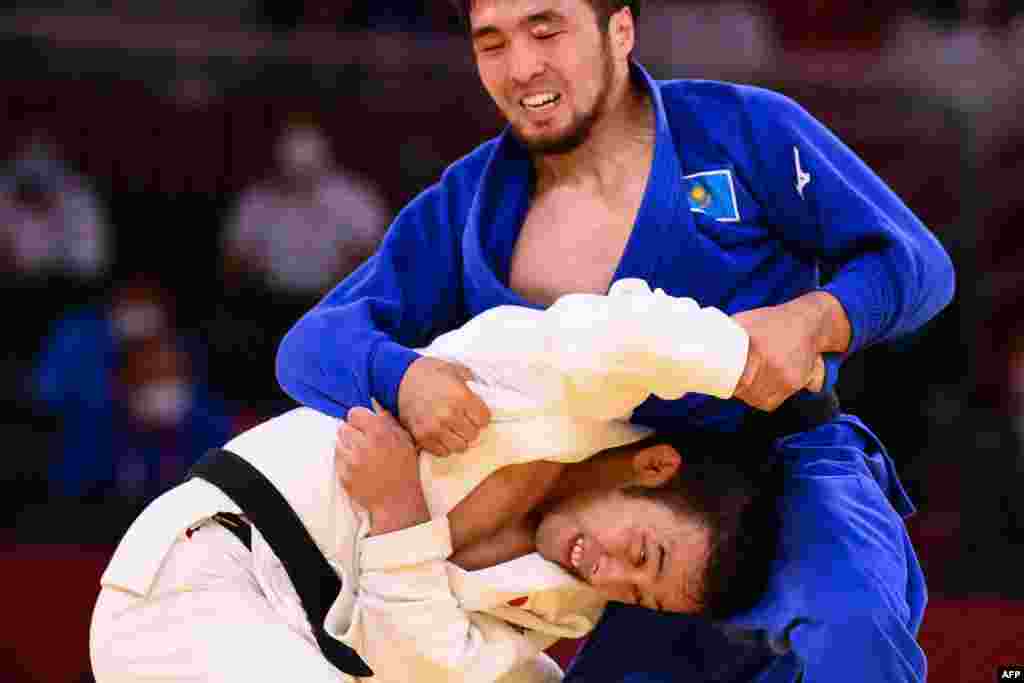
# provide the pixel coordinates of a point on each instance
(654, 466)
(623, 30)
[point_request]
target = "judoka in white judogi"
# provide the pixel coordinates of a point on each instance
(182, 600)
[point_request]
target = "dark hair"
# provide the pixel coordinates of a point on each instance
(736, 499)
(604, 9)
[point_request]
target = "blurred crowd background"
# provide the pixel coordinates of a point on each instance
(180, 181)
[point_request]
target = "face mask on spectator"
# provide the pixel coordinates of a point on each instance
(137, 320)
(163, 403)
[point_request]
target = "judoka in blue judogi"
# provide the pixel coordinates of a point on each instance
(750, 203)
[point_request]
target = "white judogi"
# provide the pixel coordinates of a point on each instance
(183, 600)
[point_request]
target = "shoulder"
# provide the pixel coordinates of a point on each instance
(722, 97)
(289, 432)
(451, 197)
(722, 108)
(258, 194)
(467, 171)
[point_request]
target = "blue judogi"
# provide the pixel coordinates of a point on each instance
(844, 603)
(749, 201)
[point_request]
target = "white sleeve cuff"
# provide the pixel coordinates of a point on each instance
(421, 543)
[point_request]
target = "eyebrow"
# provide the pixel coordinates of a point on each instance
(535, 18)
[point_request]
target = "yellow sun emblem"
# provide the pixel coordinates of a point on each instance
(700, 196)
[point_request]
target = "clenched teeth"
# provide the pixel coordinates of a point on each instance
(540, 100)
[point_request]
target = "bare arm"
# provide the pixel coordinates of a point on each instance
(496, 522)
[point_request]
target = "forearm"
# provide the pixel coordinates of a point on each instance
(890, 272)
(894, 291)
(606, 470)
(504, 498)
(397, 517)
(510, 542)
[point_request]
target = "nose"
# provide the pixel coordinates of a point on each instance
(525, 63)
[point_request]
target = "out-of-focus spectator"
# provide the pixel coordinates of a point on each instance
(719, 40)
(290, 238)
(993, 13)
(830, 25)
(164, 418)
(89, 366)
(79, 355)
(304, 229)
(50, 218)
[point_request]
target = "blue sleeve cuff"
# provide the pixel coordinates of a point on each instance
(387, 367)
(863, 293)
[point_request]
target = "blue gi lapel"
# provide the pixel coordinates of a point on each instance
(495, 219)
(666, 248)
(664, 216)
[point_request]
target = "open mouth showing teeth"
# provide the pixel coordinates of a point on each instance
(576, 557)
(541, 101)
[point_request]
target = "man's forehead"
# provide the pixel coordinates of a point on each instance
(487, 12)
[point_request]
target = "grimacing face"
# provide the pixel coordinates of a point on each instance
(632, 550)
(548, 67)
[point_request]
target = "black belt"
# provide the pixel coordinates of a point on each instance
(315, 581)
(238, 525)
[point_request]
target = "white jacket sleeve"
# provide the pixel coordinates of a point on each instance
(669, 345)
(408, 626)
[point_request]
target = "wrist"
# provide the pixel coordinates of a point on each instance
(387, 519)
(388, 368)
(829, 324)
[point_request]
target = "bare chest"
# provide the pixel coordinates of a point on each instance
(570, 244)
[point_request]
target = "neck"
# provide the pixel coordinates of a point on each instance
(623, 133)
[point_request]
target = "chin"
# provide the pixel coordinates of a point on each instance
(549, 142)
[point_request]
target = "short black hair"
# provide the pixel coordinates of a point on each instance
(734, 493)
(604, 9)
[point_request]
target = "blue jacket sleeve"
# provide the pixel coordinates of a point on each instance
(356, 344)
(890, 273)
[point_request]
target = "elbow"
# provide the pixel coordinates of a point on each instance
(289, 362)
(939, 279)
(946, 278)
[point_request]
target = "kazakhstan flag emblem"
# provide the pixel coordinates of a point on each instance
(713, 194)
